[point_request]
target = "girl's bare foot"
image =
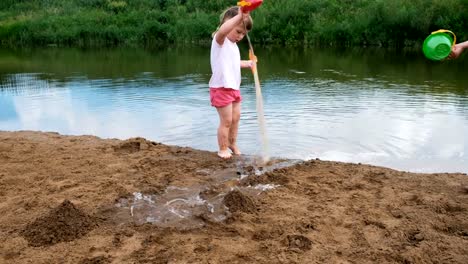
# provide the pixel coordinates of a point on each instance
(235, 150)
(224, 154)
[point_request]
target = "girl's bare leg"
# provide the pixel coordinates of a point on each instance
(225, 122)
(234, 128)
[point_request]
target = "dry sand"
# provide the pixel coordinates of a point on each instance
(60, 196)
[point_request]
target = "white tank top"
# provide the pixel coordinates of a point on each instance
(225, 65)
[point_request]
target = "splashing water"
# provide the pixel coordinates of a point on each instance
(190, 207)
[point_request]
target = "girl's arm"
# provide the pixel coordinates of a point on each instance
(246, 63)
(228, 26)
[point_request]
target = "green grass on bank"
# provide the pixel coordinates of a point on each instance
(394, 23)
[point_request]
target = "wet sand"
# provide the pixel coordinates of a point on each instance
(72, 199)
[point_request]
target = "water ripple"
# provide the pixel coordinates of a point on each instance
(332, 116)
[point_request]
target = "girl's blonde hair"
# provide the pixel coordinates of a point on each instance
(230, 13)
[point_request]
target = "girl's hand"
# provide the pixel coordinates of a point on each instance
(247, 64)
(243, 12)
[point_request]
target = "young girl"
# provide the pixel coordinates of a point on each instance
(225, 80)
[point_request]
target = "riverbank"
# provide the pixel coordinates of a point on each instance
(62, 202)
(143, 23)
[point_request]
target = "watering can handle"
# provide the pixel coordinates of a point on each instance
(447, 31)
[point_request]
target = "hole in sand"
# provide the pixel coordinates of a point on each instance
(299, 242)
(191, 207)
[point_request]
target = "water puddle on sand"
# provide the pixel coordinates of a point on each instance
(190, 207)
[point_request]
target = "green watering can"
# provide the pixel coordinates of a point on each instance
(438, 45)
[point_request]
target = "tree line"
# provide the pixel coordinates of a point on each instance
(94, 23)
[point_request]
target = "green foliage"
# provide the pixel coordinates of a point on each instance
(287, 22)
(116, 6)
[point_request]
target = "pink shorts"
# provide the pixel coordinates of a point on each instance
(221, 97)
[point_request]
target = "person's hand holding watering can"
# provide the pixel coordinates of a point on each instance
(458, 49)
(440, 45)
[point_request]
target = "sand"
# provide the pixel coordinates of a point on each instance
(73, 199)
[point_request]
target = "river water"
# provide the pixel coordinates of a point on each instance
(374, 106)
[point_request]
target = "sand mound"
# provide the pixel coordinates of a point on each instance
(237, 201)
(62, 224)
(133, 145)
